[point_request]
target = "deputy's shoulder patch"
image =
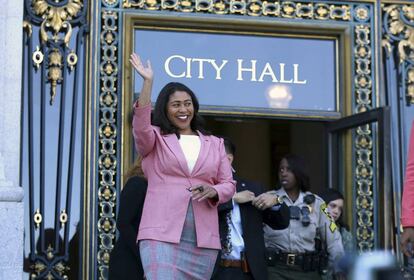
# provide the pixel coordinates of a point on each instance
(332, 225)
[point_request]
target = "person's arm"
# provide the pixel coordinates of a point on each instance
(407, 206)
(130, 211)
(239, 198)
(275, 212)
(227, 206)
(147, 74)
(141, 123)
(226, 186)
(266, 200)
(277, 217)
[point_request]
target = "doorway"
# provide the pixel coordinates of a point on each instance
(261, 143)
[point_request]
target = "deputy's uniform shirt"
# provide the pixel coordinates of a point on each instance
(299, 238)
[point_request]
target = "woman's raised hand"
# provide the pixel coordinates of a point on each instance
(145, 71)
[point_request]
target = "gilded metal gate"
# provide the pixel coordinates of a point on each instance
(53, 133)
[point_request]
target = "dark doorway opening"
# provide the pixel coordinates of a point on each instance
(261, 143)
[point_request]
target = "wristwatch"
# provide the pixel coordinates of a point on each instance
(279, 199)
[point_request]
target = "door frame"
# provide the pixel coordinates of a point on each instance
(383, 217)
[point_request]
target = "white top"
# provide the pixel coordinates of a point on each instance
(236, 234)
(191, 145)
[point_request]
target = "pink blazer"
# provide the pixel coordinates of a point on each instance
(167, 198)
(407, 211)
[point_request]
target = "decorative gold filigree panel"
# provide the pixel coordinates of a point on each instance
(283, 9)
(56, 27)
(108, 135)
(398, 23)
(363, 143)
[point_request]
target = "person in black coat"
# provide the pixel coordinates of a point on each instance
(125, 261)
(241, 230)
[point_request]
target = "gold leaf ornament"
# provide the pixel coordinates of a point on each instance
(55, 17)
(396, 27)
(409, 12)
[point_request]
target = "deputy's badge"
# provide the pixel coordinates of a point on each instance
(332, 225)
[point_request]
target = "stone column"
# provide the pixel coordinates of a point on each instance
(11, 193)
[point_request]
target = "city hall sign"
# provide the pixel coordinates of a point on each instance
(189, 67)
(244, 72)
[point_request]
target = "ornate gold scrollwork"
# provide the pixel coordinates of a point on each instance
(106, 257)
(28, 27)
(56, 21)
(130, 4)
(203, 5)
(254, 8)
(220, 7)
(271, 8)
(108, 125)
(400, 30)
(109, 37)
(109, 69)
(187, 6)
(56, 17)
(107, 194)
(305, 10)
(286, 9)
(237, 7)
(61, 268)
(39, 266)
(107, 162)
(362, 13)
(322, 11)
(363, 143)
(168, 4)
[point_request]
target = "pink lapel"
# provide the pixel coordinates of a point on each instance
(172, 142)
(204, 150)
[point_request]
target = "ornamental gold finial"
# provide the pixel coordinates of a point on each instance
(55, 72)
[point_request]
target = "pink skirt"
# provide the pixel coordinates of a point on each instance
(163, 260)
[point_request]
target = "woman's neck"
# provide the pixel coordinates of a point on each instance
(187, 132)
(293, 194)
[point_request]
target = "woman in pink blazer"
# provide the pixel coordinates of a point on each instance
(407, 211)
(188, 176)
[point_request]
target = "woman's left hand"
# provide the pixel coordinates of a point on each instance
(203, 192)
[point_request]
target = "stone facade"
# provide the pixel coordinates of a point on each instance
(11, 193)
